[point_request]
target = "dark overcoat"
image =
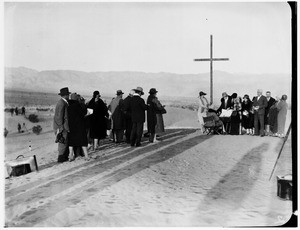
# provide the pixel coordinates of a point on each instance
(98, 119)
(76, 113)
(118, 115)
(137, 108)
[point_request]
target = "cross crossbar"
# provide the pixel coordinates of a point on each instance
(214, 59)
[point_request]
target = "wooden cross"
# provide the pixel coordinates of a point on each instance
(211, 59)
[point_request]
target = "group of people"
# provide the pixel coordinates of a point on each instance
(261, 116)
(78, 124)
(16, 111)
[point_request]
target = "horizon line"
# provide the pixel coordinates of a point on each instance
(120, 71)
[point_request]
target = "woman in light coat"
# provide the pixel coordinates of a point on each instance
(203, 108)
(282, 107)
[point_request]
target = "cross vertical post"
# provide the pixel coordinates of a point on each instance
(211, 69)
(211, 59)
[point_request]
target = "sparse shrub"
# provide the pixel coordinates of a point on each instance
(37, 129)
(33, 118)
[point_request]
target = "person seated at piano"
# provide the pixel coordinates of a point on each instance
(226, 103)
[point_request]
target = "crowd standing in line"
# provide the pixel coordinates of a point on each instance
(261, 116)
(78, 124)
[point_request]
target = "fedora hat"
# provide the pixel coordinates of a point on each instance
(119, 92)
(64, 91)
(139, 89)
(201, 93)
(153, 91)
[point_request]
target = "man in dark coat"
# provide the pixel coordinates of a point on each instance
(61, 125)
(137, 107)
(127, 114)
(271, 101)
(259, 105)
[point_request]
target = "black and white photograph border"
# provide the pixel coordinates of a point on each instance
(158, 80)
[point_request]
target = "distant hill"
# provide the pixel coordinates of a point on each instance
(169, 85)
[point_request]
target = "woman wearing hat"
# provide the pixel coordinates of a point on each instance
(77, 135)
(203, 108)
(97, 119)
(247, 115)
(282, 108)
(155, 120)
(235, 118)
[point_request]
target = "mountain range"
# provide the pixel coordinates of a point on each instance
(169, 85)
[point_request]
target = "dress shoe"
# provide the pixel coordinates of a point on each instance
(262, 135)
(138, 144)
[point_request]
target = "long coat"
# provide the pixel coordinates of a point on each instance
(154, 114)
(76, 113)
(270, 103)
(137, 108)
(247, 120)
(116, 108)
(61, 116)
(282, 107)
(98, 119)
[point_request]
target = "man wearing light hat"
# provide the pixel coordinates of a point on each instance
(60, 124)
(137, 107)
(118, 122)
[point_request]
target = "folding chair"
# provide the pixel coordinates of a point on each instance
(210, 126)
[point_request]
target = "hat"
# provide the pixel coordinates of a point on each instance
(224, 94)
(139, 89)
(284, 97)
(153, 91)
(246, 96)
(96, 93)
(64, 91)
(119, 92)
(74, 96)
(201, 93)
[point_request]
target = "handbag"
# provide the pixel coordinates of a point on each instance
(60, 138)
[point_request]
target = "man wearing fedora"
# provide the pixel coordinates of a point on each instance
(137, 107)
(60, 124)
(118, 119)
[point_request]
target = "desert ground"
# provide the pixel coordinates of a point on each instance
(186, 180)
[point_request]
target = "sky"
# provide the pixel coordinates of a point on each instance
(148, 36)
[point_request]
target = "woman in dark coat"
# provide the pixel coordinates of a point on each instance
(235, 118)
(77, 136)
(97, 119)
(154, 115)
(247, 115)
